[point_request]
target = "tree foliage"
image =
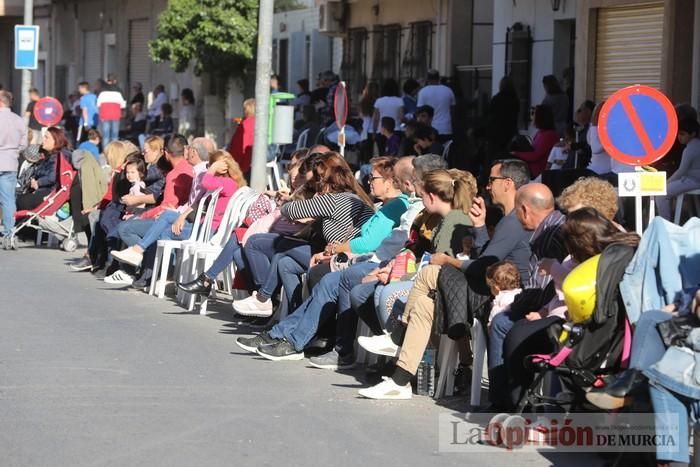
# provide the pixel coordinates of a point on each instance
(216, 36)
(288, 5)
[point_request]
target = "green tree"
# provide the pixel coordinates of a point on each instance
(288, 5)
(217, 36)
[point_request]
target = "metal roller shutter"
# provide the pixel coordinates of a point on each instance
(628, 47)
(139, 60)
(92, 58)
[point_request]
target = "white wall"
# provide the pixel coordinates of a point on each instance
(538, 15)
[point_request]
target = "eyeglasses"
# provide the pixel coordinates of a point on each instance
(371, 179)
(491, 179)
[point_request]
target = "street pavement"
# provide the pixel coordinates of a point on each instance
(92, 375)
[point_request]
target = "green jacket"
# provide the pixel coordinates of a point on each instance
(447, 237)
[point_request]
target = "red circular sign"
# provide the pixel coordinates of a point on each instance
(48, 111)
(637, 125)
(340, 104)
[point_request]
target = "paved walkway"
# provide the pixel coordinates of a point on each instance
(96, 376)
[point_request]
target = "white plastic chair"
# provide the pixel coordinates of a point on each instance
(273, 175)
(202, 256)
(679, 205)
(200, 232)
(446, 149)
(302, 139)
(230, 215)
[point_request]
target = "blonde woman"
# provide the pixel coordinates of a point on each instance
(224, 173)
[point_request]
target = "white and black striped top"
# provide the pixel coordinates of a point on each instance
(343, 214)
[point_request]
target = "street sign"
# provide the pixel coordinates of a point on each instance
(48, 111)
(26, 47)
(637, 125)
(641, 184)
(340, 110)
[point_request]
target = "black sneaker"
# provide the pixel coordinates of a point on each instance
(333, 361)
(251, 344)
(83, 264)
(281, 350)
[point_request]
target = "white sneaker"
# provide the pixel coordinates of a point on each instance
(379, 345)
(251, 306)
(119, 278)
(387, 390)
(128, 256)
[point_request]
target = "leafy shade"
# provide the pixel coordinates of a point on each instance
(217, 36)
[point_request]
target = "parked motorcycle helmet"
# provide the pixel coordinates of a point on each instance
(579, 290)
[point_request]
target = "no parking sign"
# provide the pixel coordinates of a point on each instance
(48, 111)
(638, 126)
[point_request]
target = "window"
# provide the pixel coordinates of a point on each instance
(354, 67)
(387, 50)
(519, 66)
(419, 54)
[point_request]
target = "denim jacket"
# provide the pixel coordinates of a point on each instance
(665, 269)
(679, 368)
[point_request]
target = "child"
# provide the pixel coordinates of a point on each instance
(467, 245)
(503, 279)
(135, 173)
(393, 141)
(92, 145)
(426, 141)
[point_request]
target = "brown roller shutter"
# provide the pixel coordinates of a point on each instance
(628, 47)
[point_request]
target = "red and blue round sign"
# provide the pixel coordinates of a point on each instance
(48, 111)
(637, 125)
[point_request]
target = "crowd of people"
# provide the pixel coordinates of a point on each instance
(402, 240)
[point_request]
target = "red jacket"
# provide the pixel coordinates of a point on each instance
(241, 145)
(542, 144)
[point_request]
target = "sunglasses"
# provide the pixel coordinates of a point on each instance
(492, 179)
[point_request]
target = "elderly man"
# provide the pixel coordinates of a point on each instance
(13, 139)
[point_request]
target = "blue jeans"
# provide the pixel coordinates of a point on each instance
(670, 408)
(232, 252)
(161, 229)
(133, 230)
(498, 379)
(259, 251)
(301, 326)
(109, 130)
(391, 299)
(290, 272)
(8, 182)
(647, 346)
(346, 325)
(281, 266)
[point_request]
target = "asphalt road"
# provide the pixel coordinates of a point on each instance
(91, 375)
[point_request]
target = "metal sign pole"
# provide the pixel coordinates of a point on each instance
(27, 74)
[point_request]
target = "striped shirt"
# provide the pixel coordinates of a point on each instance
(342, 214)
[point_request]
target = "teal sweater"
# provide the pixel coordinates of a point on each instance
(379, 226)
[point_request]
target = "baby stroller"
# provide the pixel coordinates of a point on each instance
(593, 345)
(45, 213)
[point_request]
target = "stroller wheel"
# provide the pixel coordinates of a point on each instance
(514, 432)
(494, 430)
(69, 245)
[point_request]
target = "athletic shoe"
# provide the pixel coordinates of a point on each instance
(279, 351)
(251, 344)
(379, 345)
(82, 264)
(333, 361)
(119, 278)
(251, 306)
(128, 256)
(387, 390)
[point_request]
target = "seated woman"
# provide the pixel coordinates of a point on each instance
(224, 173)
(449, 193)
(543, 142)
(301, 174)
(341, 207)
(53, 146)
(117, 198)
(292, 334)
(687, 176)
